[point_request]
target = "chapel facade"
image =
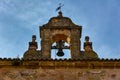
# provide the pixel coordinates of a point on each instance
(39, 65)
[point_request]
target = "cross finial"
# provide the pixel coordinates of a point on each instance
(59, 7)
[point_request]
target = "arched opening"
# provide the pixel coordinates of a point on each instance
(60, 47)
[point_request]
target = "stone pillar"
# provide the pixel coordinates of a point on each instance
(46, 44)
(75, 43)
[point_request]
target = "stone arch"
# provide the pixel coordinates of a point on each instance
(61, 35)
(58, 37)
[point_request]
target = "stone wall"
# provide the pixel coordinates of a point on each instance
(16, 69)
(59, 74)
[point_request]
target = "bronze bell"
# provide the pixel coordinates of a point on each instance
(60, 52)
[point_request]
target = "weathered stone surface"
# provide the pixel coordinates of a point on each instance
(60, 70)
(53, 64)
(59, 74)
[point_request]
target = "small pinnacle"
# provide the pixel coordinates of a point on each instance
(87, 38)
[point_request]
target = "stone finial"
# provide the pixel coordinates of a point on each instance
(33, 45)
(89, 53)
(87, 38)
(87, 44)
(32, 52)
(33, 38)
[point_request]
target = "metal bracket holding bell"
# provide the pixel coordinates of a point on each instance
(60, 46)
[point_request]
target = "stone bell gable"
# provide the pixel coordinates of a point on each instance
(60, 28)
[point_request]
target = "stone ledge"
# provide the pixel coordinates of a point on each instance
(84, 64)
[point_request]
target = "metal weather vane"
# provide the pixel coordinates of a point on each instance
(59, 7)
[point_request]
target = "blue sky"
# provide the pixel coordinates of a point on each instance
(20, 19)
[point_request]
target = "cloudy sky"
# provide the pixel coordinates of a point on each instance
(20, 19)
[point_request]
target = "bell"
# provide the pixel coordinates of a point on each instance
(60, 53)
